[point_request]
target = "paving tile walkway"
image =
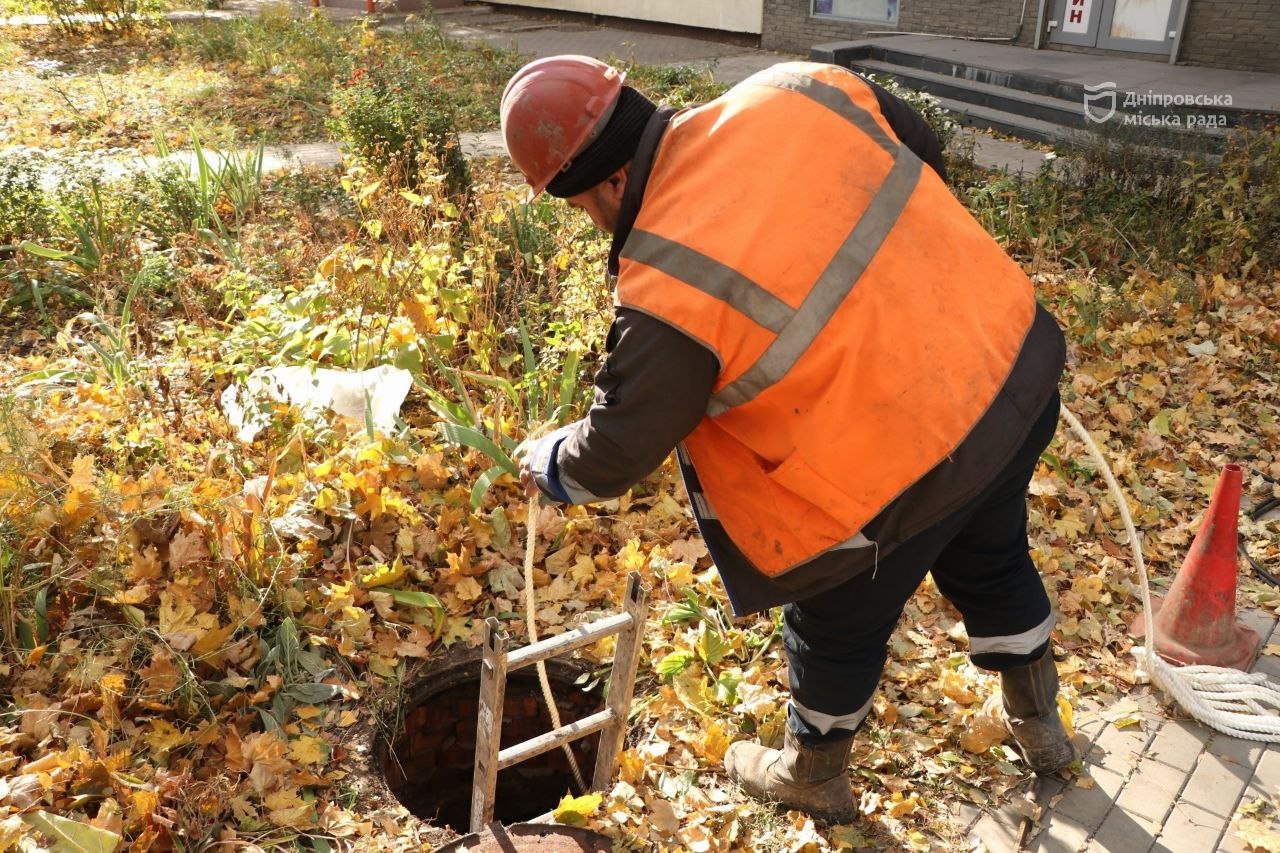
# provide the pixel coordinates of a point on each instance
(1167, 785)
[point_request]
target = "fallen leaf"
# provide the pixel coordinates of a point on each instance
(71, 835)
(574, 811)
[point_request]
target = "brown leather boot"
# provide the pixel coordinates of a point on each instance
(1031, 710)
(809, 778)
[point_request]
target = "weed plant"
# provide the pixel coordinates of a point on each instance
(940, 119)
(673, 85)
(1116, 207)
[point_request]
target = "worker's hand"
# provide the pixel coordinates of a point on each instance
(535, 460)
(530, 487)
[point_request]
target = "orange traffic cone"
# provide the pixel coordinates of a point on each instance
(1196, 621)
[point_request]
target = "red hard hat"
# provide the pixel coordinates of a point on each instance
(552, 108)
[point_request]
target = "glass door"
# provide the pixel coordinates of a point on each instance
(1145, 26)
(1075, 22)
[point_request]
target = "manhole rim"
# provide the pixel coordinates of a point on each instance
(528, 829)
(429, 677)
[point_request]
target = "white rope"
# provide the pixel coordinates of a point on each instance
(1241, 704)
(530, 605)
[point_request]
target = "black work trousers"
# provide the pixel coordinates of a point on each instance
(837, 642)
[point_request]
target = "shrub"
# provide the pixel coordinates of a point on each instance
(392, 117)
(24, 211)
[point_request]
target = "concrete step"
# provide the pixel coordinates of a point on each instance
(1021, 126)
(1164, 143)
(1037, 91)
(1025, 103)
(1022, 114)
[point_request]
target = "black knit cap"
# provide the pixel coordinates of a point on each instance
(611, 150)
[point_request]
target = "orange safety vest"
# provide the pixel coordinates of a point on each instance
(864, 321)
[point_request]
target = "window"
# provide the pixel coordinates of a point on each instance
(878, 11)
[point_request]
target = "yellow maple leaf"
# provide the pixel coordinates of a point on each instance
(261, 755)
(421, 312)
(79, 504)
(631, 766)
(1258, 834)
(1069, 526)
(130, 491)
(371, 454)
(467, 589)
(213, 639)
(143, 804)
(900, 806)
(164, 736)
(574, 811)
(1088, 588)
(956, 688)
(714, 742)
(144, 565)
(1067, 715)
(384, 575)
(982, 733)
(286, 808)
(82, 473)
(136, 594)
(372, 504)
(460, 563)
(308, 749)
(327, 499)
(631, 558)
(430, 470)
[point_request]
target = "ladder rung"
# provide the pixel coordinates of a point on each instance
(552, 739)
(568, 641)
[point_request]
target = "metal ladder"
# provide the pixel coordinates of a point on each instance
(611, 722)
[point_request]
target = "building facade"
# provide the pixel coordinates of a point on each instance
(1237, 34)
(733, 16)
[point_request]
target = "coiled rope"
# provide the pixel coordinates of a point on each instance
(530, 604)
(1241, 704)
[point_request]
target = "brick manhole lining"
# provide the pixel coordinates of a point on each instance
(430, 763)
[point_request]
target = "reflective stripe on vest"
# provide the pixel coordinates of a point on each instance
(711, 277)
(863, 320)
(796, 329)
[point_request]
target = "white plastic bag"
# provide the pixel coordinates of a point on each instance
(380, 392)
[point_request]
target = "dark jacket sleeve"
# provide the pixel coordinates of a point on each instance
(651, 392)
(910, 128)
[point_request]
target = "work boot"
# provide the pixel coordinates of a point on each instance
(1031, 711)
(806, 777)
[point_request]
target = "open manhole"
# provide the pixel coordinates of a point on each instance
(430, 764)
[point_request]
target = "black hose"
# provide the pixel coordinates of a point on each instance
(1258, 512)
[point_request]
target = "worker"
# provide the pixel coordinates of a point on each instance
(857, 380)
